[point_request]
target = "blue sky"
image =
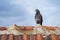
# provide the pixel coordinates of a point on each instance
(22, 12)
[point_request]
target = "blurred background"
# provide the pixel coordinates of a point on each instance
(22, 12)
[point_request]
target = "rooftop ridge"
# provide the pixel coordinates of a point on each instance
(28, 27)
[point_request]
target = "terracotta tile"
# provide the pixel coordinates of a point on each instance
(50, 27)
(7, 38)
(39, 37)
(29, 28)
(2, 28)
(21, 28)
(11, 37)
(19, 37)
(53, 37)
(3, 37)
(22, 37)
(47, 38)
(0, 37)
(33, 37)
(58, 37)
(28, 38)
(25, 36)
(15, 37)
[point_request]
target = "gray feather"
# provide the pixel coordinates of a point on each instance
(38, 17)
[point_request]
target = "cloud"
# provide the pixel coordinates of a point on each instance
(22, 12)
(9, 20)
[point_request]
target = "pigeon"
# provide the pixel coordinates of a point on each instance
(38, 17)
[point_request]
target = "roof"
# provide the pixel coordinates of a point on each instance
(29, 27)
(27, 37)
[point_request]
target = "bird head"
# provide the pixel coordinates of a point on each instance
(37, 10)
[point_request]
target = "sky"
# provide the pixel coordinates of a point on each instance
(22, 12)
